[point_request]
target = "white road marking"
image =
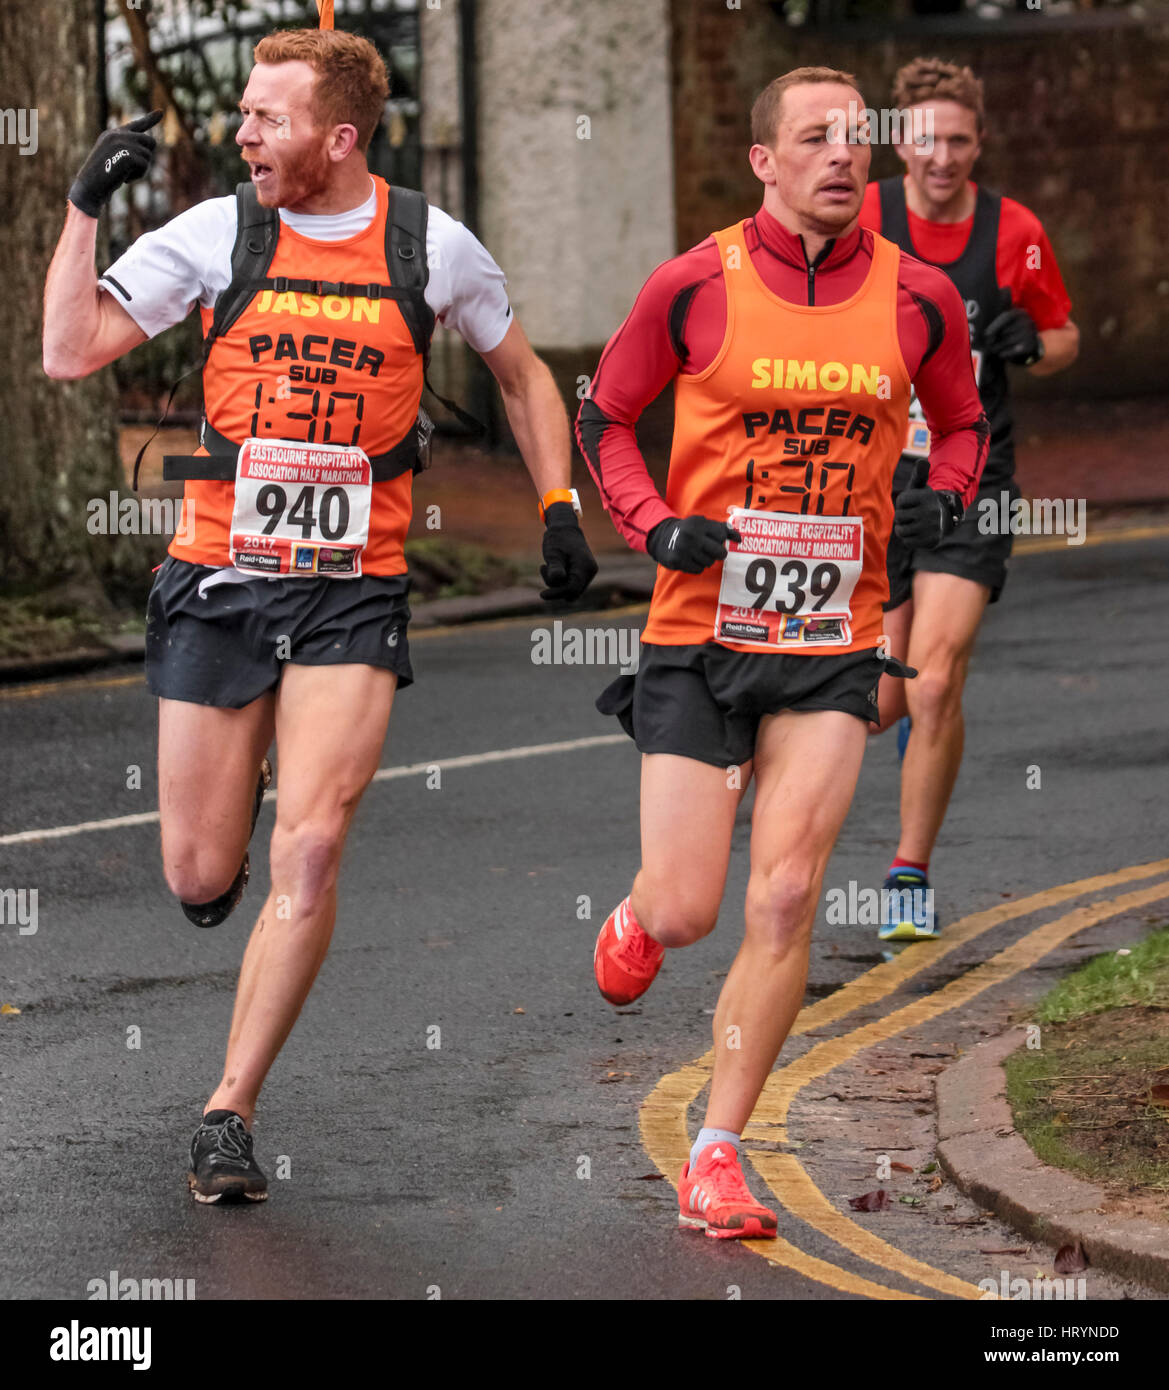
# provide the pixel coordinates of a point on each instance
(384, 774)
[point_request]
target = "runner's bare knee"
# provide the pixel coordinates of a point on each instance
(198, 871)
(676, 917)
(935, 695)
(781, 905)
(305, 858)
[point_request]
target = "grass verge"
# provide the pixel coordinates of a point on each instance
(1094, 1096)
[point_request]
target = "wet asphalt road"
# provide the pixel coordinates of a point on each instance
(407, 1165)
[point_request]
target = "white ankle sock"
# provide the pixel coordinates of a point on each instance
(713, 1136)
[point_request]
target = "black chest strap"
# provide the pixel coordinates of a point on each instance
(220, 466)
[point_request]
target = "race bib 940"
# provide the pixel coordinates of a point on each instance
(300, 508)
(788, 582)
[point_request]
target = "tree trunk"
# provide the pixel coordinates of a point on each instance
(58, 440)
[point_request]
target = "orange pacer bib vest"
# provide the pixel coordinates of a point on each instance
(799, 421)
(327, 370)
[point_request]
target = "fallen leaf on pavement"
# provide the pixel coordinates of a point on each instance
(902, 1167)
(8, 1009)
(871, 1201)
(1070, 1259)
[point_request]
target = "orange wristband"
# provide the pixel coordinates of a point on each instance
(560, 494)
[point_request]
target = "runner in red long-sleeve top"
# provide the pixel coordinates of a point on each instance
(792, 339)
(677, 324)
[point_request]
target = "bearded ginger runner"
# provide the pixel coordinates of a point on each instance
(792, 338)
(282, 610)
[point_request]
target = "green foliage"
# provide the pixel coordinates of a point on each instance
(457, 569)
(1110, 982)
(1100, 1138)
(34, 628)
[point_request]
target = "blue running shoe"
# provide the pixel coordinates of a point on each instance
(907, 908)
(903, 728)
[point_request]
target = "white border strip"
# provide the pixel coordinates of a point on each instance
(384, 774)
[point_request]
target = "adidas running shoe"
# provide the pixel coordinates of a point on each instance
(713, 1196)
(625, 958)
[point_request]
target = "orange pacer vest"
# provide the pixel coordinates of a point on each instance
(804, 409)
(320, 368)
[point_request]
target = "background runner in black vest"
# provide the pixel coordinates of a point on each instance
(998, 255)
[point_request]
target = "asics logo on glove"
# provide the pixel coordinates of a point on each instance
(690, 544)
(119, 156)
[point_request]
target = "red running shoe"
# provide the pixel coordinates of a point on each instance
(713, 1196)
(625, 959)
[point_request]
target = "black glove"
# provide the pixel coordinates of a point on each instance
(923, 518)
(568, 567)
(120, 155)
(1014, 337)
(691, 544)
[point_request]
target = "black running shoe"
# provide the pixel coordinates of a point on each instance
(222, 1163)
(220, 909)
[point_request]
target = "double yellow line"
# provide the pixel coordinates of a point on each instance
(664, 1111)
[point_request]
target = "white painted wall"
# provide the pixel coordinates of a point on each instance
(577, 223)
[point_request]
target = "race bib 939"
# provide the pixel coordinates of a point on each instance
(788, 582)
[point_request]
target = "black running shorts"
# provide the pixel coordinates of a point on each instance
(228, 645)
(706, 701)
(967, 551)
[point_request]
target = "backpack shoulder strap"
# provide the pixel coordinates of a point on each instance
(406, 262)
(406, 223)
(256, 233)
(257, 230)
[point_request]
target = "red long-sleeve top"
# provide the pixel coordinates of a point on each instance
(677, 325)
